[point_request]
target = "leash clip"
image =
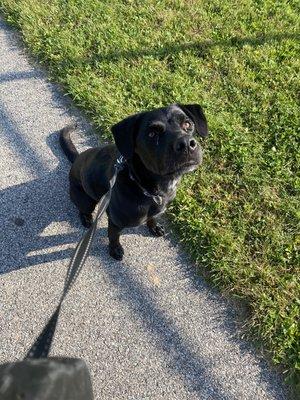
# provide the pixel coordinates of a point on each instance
(119, 165)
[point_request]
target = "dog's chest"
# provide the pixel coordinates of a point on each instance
(144, 209)
(134, 210)
(129, 207)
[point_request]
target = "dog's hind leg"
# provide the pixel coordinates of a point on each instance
(84, 203)
(86, 219)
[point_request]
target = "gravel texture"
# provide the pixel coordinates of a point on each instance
(148, 327)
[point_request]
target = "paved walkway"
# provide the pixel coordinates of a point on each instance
(147, 327)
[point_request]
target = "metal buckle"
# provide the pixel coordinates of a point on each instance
(158, 199)
(120, 163)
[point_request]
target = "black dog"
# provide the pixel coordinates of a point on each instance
(158, 146)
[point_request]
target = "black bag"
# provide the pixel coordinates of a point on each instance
(46, 379)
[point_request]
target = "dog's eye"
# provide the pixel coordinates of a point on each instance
(156, 130)
(186, 126)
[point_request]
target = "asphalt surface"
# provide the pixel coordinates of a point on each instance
(148, 327)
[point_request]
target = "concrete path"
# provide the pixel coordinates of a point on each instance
(148, 327)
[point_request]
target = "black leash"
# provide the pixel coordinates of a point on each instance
(42, 345)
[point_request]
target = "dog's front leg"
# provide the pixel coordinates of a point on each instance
(155, 228)
(115, 248)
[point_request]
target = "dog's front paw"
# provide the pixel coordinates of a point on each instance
(157, 230)
(116, 251)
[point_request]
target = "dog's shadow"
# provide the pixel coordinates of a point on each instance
(39, 222)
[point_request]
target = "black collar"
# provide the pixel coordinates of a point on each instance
(121, 162)
(156, 197)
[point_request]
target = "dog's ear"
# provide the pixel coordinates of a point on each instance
(195, 112)
(124, 133)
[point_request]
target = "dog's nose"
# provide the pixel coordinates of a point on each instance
(185, 144)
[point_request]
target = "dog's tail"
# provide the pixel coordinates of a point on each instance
(66, 143)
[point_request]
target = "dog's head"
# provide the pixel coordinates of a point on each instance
(165, 139)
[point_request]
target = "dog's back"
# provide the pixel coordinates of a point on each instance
(91, 170)
(94, 168)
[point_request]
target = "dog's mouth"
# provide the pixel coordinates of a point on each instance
(184, 168)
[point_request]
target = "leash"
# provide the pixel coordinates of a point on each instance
(42, 344)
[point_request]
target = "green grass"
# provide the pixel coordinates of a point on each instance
(239, 214)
